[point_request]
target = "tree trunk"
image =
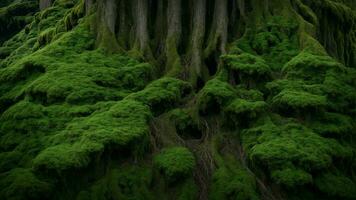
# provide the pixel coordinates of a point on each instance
(45, 4)
(142, 39)
(110, 15)
(241, 5)
(88, 6)
(173, 34)
(198, 34)
(218, 32)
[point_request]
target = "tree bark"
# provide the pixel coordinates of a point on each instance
(218, 32)
(110, 14)
(45, 4)
(241, 5)
(88, 6)
(198, 33)
(142, 38)
(173, 33)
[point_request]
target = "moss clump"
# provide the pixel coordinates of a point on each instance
(23, 184)
(124, 124)
(14, 16)
(162, 94)
(332, 125)
(272, 145)
(310, 67)
(237, 184)
(123, 182)
(247, 64)
(246, 109)
(298, 100)
(215, 94)
(336, 185)
(274, 38)
(176, 163)
(291, 177)
(46, 36)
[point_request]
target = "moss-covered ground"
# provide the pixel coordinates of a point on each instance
(272, 116)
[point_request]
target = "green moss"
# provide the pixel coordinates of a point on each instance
(247, 64)
(189, 190)
(291, 177)
(274, 39)
(73, 101)
(71, 19)
(236, 185)
(298, 100)
(14, 16)
(274, 146)
(23, 184)
(310, 67)
(333, 125)
(245, 109)
(185, 125)
(175, 163)
(124, 125)
(215, 94)
(46, 36)
(337, 186)
(162, 94)
(124, 182)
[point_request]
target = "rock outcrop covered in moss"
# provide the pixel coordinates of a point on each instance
(203, 99)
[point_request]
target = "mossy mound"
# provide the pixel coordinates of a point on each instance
(175, 163)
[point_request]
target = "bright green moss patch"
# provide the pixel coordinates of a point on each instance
(298, 100)
(46, 36)
(247, 64)
(63, 157)
(124, 124)
(310, 67)
(244, 108)
(83, 116)
(175, 163)
(274, 146)
(162, 94)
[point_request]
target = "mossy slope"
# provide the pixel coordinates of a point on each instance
(267, 111)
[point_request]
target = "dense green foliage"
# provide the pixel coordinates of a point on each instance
(87, 111)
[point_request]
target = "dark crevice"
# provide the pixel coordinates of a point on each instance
(200, 84)
(212, 63)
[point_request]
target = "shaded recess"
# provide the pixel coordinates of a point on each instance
(181, 34)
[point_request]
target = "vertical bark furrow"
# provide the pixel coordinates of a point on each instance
(218, 32)
(160, 28)
(123, 23)
(142, 36)
(198, 34)
(174, 32)
(174, 19)
(110, 13)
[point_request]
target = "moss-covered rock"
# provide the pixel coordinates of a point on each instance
(176, 163)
